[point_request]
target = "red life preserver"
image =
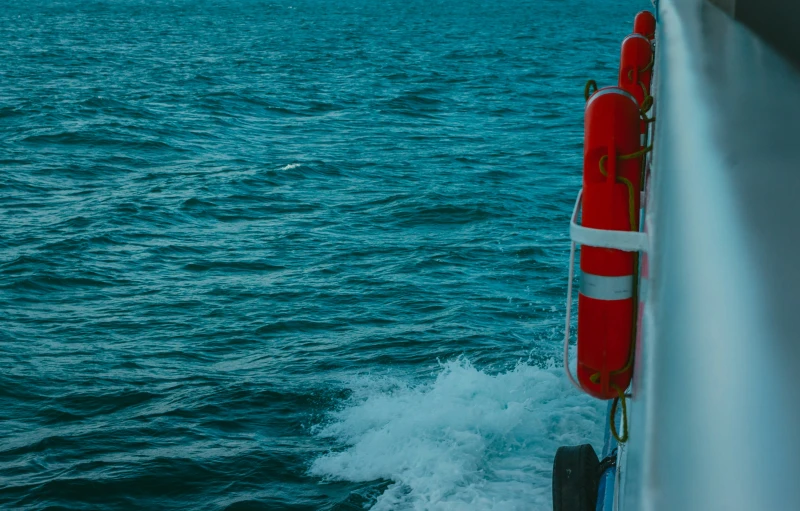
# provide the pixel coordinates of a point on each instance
(610, 201)
(636, 66)
(645, 23)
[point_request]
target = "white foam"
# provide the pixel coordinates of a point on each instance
(292, 166)
(469, 440)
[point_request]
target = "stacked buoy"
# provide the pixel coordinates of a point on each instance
(615, 144)
(617, 128)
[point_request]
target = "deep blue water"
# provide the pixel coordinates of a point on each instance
(290, 255)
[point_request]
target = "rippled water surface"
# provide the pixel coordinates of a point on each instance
(295, 255)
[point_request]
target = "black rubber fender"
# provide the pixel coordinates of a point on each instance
(575, 478)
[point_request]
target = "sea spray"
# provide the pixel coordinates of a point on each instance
(467, 440)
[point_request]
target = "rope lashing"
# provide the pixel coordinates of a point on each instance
(632, 218)
(587, 89)
(645, 69)
(647, 102)
(620, 398)
(632, 213)
(591, 87)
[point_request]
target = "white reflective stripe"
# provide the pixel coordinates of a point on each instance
(611, 90)
(606, 288)
(636, 36)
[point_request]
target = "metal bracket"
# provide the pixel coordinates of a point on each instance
(629, 241)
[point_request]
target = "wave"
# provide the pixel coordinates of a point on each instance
(468, 440)
(232, 266)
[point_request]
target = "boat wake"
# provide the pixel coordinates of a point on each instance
(467, 440)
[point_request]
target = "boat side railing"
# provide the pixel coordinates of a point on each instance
(715, 420)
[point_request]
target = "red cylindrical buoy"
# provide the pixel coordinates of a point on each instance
(645, 23)
(611, 183)
(636, 66)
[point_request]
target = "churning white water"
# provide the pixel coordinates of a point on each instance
(469, 440)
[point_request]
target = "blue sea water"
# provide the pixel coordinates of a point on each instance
(301, 254)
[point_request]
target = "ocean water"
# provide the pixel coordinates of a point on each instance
(302, 254)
